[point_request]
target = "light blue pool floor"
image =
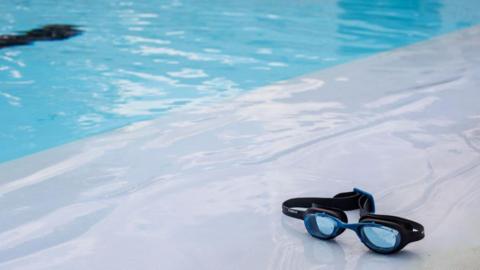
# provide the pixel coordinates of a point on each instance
(202, 188)
(139, 60)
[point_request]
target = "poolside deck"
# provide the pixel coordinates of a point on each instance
(202, 188)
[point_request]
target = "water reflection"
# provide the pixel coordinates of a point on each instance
(318, 254)
(379, 25)
(185, 52)
(405, 259)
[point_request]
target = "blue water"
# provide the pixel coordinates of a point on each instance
(136, 60)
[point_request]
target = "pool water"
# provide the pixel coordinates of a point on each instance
(137, 61)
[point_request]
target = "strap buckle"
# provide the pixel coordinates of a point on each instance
(369, 197)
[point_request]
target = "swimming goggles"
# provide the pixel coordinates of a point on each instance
(325, 219)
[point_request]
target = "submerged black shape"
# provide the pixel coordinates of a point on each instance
(49, 32)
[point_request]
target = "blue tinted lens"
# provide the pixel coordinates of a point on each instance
(320, 225)
(380, 237)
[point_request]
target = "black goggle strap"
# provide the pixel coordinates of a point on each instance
(345, 201)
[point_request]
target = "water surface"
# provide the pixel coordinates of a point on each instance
(140, 60)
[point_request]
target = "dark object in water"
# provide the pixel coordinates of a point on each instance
(49, 32)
